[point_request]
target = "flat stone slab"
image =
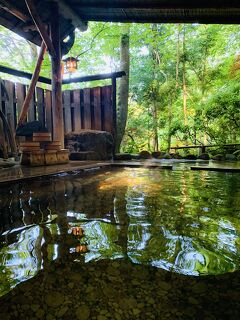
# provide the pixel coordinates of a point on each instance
(143, 164)
(6, 164)
(219, 169)
(19, 173)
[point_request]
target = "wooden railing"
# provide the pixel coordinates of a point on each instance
(202, 148)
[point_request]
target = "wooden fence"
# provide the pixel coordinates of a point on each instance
(89, 108)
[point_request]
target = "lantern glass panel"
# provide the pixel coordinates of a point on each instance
(71, 64)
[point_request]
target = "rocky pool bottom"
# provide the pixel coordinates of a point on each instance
(118, 290)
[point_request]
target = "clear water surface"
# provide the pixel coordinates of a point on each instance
(181, 221)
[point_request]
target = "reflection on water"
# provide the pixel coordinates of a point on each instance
(181, 221)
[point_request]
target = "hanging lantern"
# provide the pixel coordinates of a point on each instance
(71, 64)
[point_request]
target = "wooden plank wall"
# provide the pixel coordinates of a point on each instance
(89, 108)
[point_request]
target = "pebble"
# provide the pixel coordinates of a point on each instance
(82, 313)
(54, 299)
(62, 311)
(101, 317)
(85, 292)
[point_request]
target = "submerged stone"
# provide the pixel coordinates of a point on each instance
(192, 300)
(35, 307)
(200, 287)
(62, 311)
(82, 313)
(54, 299)
(164, 285)
(101, 317)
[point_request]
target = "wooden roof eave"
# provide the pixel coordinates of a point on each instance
(155, 4)
(75, 12)
(26, 28)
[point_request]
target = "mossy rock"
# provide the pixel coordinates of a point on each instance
(237, 154)
(123, 156)
(219, 157)
(204, 156)
(156, 154)
(190, 157)
(145, 155)
(165, 156)
(230, 157)
(176, 156)
(135, 156)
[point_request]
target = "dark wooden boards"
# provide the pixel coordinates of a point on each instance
(67, 111)
(97, 108)
(76, 109)
(88, 108)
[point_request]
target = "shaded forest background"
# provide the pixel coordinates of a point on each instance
(184, 83)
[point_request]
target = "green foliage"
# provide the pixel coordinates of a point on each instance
(161, 55)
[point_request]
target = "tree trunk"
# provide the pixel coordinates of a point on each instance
(155, 127)
(169, 138)
(184, 80)
(156, 66)
(123, 89)
(178, 54)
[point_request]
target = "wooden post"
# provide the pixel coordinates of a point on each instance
(9, 132)
(57, 110)
(32, 86)
(114, 107)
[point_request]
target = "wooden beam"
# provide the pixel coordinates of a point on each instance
(13, 10)
(57, 110)
(32, 86)
(23, 74)
(206, 146)
(95, 77)
(40, 26)
(27, 75)
(68, 13)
